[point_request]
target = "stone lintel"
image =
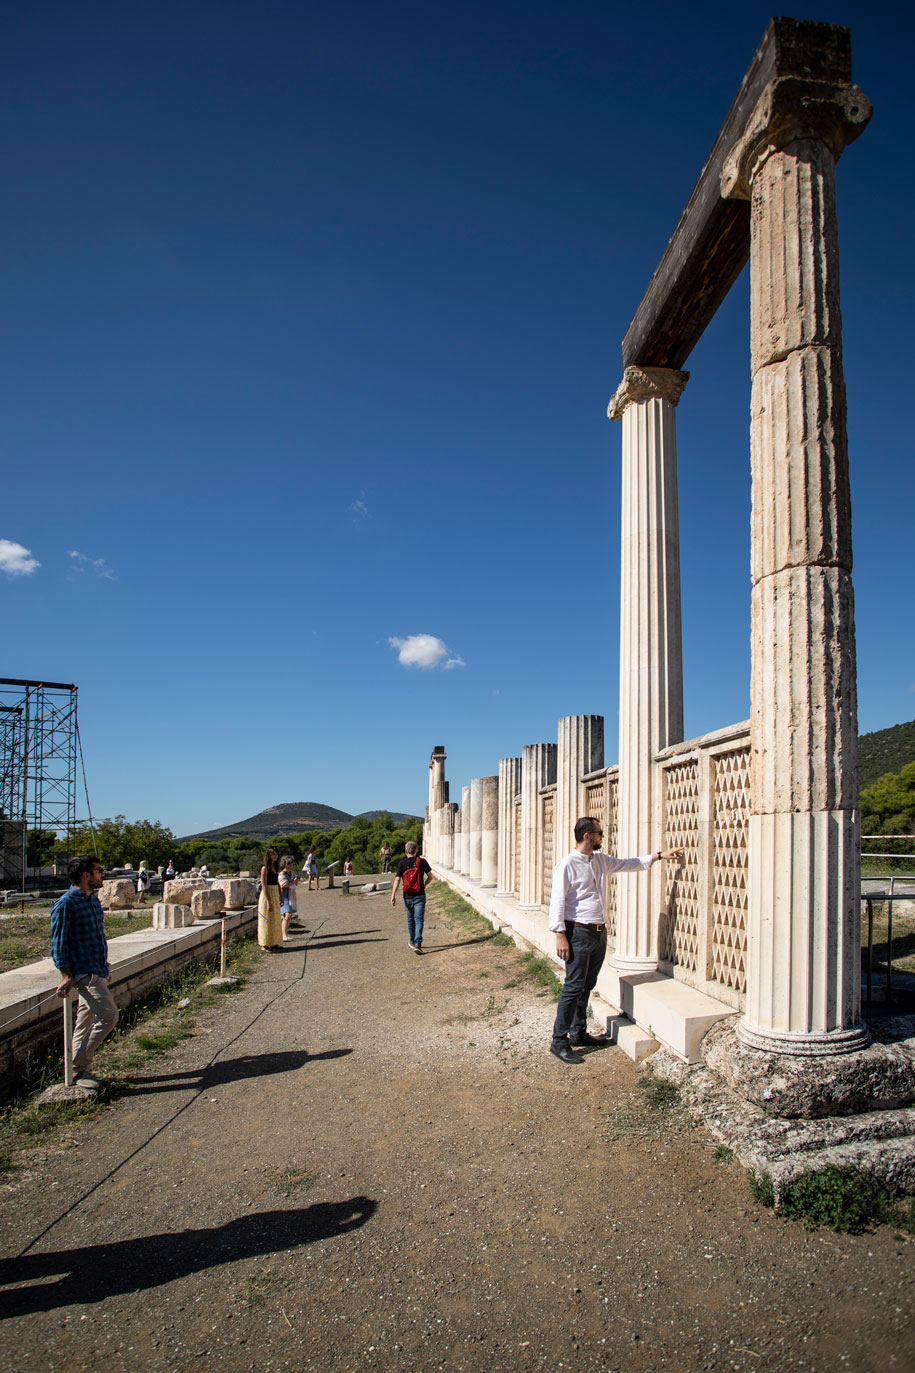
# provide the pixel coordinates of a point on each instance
(793, 110)
(646, 383)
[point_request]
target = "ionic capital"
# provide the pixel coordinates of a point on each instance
(791, 109)
(646, 383)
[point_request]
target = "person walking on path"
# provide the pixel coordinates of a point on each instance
(79, 951)
(269, 922)
(385, 855)
(415, 874)
(142, 884)
(577, 920)
(311, 868)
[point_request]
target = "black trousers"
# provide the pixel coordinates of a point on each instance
(588, 945)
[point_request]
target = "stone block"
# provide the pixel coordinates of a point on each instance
(169, 916)
(207, 905)
(118, 894)
(236, 890)
(179, 891)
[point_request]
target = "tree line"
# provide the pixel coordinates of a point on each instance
(123, 843)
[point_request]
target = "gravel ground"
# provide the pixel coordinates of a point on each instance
(368, 1160)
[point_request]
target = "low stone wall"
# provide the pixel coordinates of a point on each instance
(30, 1013)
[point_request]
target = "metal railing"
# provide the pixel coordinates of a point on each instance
(870, 899)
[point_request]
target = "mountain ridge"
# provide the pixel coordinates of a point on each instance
(291, 817)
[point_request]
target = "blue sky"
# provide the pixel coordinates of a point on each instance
(312, 314)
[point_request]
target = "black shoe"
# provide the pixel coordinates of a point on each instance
(587, 1041)
(417, 948)
(564, 1051)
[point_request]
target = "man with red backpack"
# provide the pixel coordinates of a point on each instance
(415, 874)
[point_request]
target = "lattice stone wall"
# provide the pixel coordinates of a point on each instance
(516, 846)
(681, 930)
(731, 800)
(594, 798)
(547, 811)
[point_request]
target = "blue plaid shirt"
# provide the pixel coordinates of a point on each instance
(78, 940)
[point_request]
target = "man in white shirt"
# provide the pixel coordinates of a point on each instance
(577, 918)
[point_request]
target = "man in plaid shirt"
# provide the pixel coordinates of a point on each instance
(79, 950)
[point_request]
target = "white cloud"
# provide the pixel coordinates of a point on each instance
(15, 560)
(425, 651)
(97, 566)
(360, 510)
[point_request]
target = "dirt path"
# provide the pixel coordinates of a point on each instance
(368, 1160)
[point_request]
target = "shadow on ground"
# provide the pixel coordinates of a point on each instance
(95, 1271)
(231, 1070)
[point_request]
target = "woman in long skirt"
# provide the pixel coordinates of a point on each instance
(269, 921)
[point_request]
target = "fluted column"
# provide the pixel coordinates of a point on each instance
(465, 831)
(458, 836)
(509, 786)
(538, 769)
(803, 933)
(476, 828)
(580, 750)
(651, 659)
(489, 833)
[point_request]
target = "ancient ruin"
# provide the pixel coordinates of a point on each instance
(762, 923)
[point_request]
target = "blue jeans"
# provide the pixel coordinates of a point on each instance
(588, 945)
(416, 910)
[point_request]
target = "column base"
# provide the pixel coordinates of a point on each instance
(633, 965)
(815, 1044)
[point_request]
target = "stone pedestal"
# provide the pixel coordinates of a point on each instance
(580, 749)
(651, 667)
(538, 769)
(509, 787)
(208, 905)
(465, 831)
(476, 828)
(489, 833)
(167, 915)
(235, 890)
(803, 930)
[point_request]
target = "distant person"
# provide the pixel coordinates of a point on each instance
(311, 868)
(142, 884)
(385, 855)
(416, 874)
(287, 883)
(347, 867)
(170, 872)
(577, 920)
(79, 951)
(269, 920)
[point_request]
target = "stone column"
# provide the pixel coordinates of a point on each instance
(509, 786)
(803, 931)
(476, 828)
(580, 750)
(489, 833)
(446, 835)
(651, 663)
(465, 831)
(458, 836)
(538, 769)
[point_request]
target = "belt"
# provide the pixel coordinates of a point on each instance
(587, 924)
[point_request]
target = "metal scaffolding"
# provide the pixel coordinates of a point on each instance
(39, 743)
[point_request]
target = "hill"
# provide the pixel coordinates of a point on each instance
(886, 750)
(290, 817)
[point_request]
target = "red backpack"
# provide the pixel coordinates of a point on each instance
(413, 879)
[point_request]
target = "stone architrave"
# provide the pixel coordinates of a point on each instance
(117, 894)
(803, 928)
(207, 905)
(170, 915)
(235, 890)
(179, 890)
(651, 655)
(538, 769)
(476, 828)
(465, 831)
(489, 833)
(580, 749)
(509, 787)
